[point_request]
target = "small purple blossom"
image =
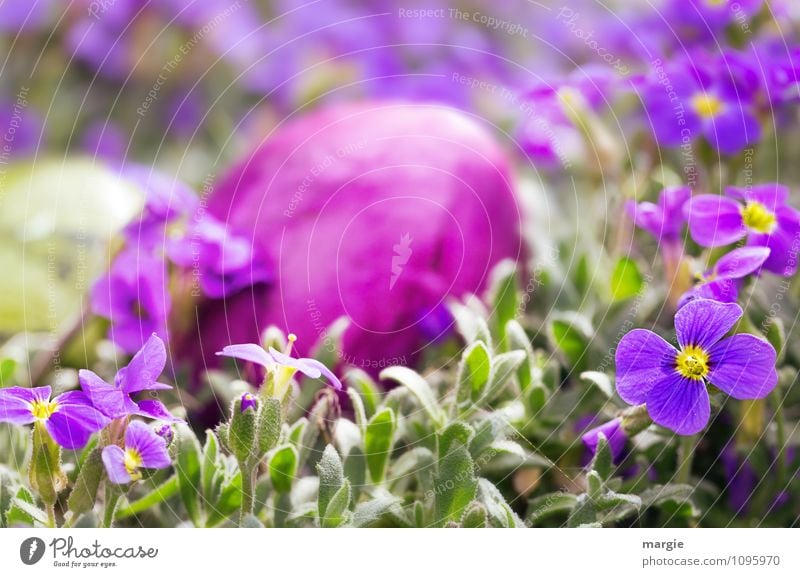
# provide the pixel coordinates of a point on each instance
(614, 434)
(166, 432)
(226, 261)
(143, 449)
(672, 382)
(273, 359)
(248, 402)
(133, 296)
(663, 220)
(115, 401)
(759, 213)
(721, 282)
(70, 418)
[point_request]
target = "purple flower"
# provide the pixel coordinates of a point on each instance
(272, 360)
(760, 214)
(165, 432)
(115, 401)
(614, 434)
(664, 220)
(69, 418)
(355, 165)
(682, 104)
(133, 296)
(225, 262)
(672, 382)
(721, 282)
(143, 449)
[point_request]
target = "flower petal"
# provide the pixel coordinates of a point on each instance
(15, 404)
(743, 366)
(741, 262)
(114, 460)
(145, 366)
(703, 322)
(614, 434)
(305, 366)
(67, 431)
(680, 404)
(714, 220)
(155, 409)
(151, 448)
(106, 398)
(249, 352)
(643, 359)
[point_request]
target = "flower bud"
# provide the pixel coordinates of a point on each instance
(242, 428)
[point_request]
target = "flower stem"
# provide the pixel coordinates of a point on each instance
(112, 498)
(51, 515)
(248, 491)
(685, 458)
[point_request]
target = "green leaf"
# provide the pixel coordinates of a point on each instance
(335, 512)
(504, 295)
(22, 510)
(331, 478)
(549, 505)
(474, 516)
(600, 380)
(603, 462)
(45, 474)
(210, 465)
(24, 513)
(419, 387)
(358, 409)
(571, 339)
(283, 468)
(517, 339)
(473, 374)
(503, 368)
(626, 279)
(270, 419)
(7, 369)
(611, 499)
(83, 496)
(378, 442)
(455, 484)
(499, 512)
(583, 514)
(371, 512)
(776, 335)
(188, 471)
(367, 388)
(166, 490)
(230, 500)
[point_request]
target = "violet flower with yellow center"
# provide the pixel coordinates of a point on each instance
(143, 449)
(672, 382)
(721, 282)
(761, 214)
(69, 418)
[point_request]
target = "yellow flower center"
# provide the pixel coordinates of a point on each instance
(133, 460)
(707, 105)
(692, 362)
(757, 217)
(43, 408)
(716, 2)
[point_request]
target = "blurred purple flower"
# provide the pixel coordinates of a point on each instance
(70, 418)
(116, 401)
(133, 295)
(332, 244)
(143, 449)
(20, 128)
(105, 140)
(683, 104)
(721, 282)
(672, 382)
(664, 220)
(20, 17)
(759, 213)
(225, 262)
(614, 434)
